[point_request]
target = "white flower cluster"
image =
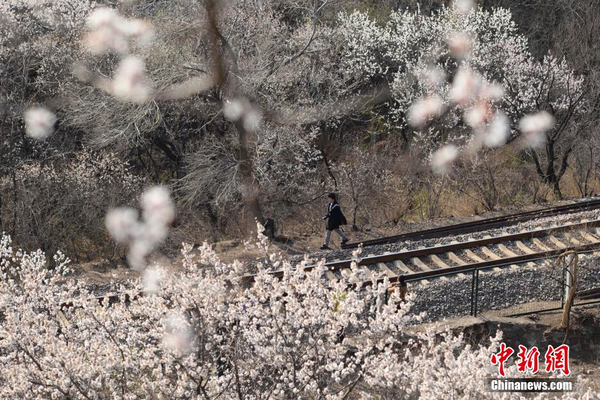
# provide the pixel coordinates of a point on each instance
(241, 109)
(142, 237)
(110, 31)
(89, 174)
(202, 336)
(494, 82)
(39, 123)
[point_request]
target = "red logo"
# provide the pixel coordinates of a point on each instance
(556, 359)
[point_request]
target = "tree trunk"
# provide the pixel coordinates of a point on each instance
(250, 188)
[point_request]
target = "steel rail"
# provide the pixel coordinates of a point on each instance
(504, 262)
(480, 225)
(428, 251)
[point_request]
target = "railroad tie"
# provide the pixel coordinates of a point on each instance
(525, 250)
(405, 269)
(509, 253)
(557, 242)
(540, 244)
(351, 278)
(367, 274)
(488, 253)
(589, 237)
(478, 259)
(438, 261)
(441, 264)
(524, 247)
(402, 267)
(418, 263)
(386, 270)
(506, 250)
(571, 239)
(330, 275)
(457, 260)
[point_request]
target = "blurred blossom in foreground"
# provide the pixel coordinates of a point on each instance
(492, 92)
(478, 115)
(130, 81)
(535, 126)
(252, 120)
(464, 87)
(157, 205)
(101, 17)
(142, 237)
(424, 110)
(105, 38)
(109, 31)
(39, 123)
(178, 337)
(498, 131)
(459, 44)
(464, 6)
(442, 159)
(151, 280)
(434, 76)
(233, 110)
(122, 224)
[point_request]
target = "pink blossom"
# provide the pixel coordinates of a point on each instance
(122, 224)
(498, 131)
(39, 123)
(424, 110)
(105, 38)
(434, 76)
(464, 6)
(478, 115)
(157, 205)
(465, 86)
(102, 17)
(151, 280)
(459, 44)
(252, 120)
(233, 110)
(130, 82)
(442, 159)
(535, 126)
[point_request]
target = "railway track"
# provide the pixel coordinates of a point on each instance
(481, 225)
(458, 258)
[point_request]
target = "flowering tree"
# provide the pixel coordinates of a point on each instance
(493, 76)
(197, 333)
(60, 203)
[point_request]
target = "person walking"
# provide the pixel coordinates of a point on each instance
(335, 219)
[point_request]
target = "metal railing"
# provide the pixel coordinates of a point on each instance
(590, 296)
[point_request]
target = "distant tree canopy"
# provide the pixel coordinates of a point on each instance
(327, 80)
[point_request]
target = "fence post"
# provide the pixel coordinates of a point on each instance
(474, 292)
(571, 287)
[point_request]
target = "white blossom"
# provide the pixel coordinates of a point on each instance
(442, 159)
(233, 109)
(39, 123)
(535, 126)
(122, 224)
(498, 130)
(130, 81)
(424, 110)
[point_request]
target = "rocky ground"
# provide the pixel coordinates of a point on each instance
(500, 290)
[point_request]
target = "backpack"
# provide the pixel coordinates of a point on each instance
(343, 219)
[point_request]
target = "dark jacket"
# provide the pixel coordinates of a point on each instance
(334, 216)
